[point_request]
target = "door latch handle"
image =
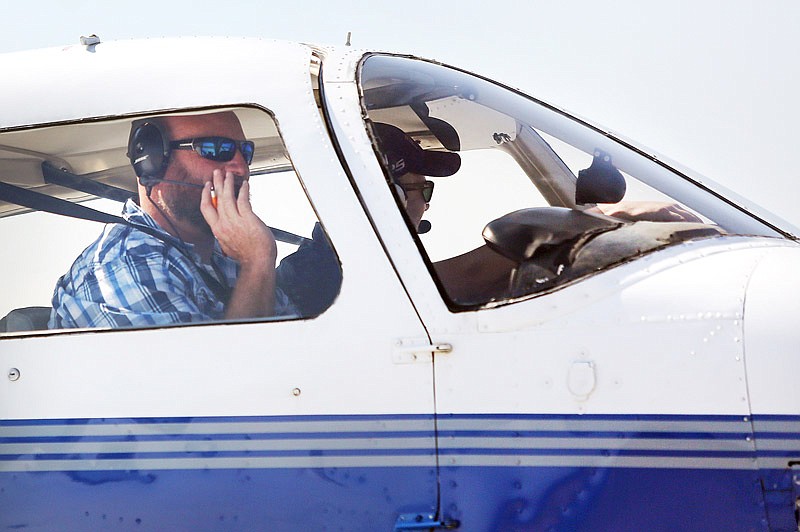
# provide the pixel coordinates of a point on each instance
(423, 522)
(410, 353)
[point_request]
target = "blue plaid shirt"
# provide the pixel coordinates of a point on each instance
(128, 278)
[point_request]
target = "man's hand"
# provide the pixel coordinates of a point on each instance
(651, 211)
(242, 234)
(245, 238)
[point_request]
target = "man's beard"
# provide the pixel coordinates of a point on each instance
(186, 208)
(182, 203)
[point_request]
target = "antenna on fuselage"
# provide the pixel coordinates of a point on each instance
(90, 42)
(347, 43)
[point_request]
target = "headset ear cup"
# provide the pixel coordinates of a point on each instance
(148, 151)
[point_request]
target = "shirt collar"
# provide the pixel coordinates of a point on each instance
(134, 215)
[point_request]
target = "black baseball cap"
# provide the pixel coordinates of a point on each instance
(404, 156)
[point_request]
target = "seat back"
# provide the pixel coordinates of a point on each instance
(25, 319)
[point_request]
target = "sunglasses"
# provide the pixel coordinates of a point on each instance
(426, 188)
(220, 149)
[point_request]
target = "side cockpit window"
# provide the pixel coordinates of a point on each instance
(170, 219)
(527, 200)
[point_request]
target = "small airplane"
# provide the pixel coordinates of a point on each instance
(572, 334)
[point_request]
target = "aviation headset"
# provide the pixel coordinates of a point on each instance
(148, 151)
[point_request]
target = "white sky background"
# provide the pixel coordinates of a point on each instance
(710, 84)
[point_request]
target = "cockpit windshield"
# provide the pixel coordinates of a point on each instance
(536, 199)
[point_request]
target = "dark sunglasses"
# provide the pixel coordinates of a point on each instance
(220, 149)
(426, 188)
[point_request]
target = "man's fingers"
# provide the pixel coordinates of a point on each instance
(220, 190)
(243, 201)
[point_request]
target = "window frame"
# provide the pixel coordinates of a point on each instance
(256, 112)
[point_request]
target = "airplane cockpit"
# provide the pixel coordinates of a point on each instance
(538, 201)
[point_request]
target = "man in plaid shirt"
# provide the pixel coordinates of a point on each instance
(184, 257)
